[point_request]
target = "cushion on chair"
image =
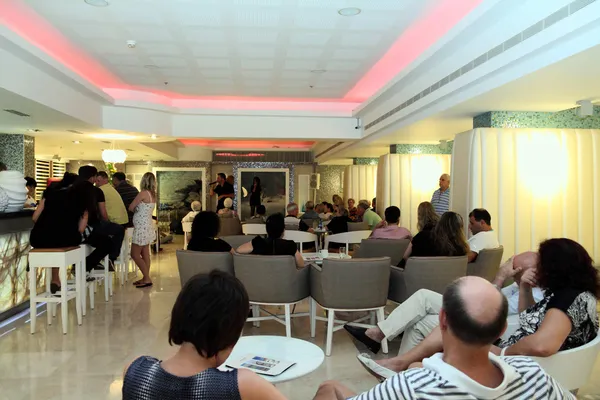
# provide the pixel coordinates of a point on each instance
(191, 263)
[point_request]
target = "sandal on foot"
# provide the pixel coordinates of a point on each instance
(137, 282)
(143, 285)
(378, 371)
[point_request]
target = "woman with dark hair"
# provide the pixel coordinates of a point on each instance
(274, 244)
(564, 319)
(255, 195)
(205, 229)
(206, 323)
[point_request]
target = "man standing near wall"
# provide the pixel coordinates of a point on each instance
(441, 197)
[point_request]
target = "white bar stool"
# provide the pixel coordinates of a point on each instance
(101, 275)
(60, 258)
(122, 263)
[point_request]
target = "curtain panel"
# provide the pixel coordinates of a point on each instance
(360, 182)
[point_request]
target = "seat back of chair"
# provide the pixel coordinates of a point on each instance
(392, 248)
(347, 237)
(299, 236)
(236, 241)
(191, 263)
(230, 225)
(272, 279)
(433, 273)
(487, 263)
(292, 227)
(357, 226)
(186, 226)
(312, 223)
(355, 283)
(572, 368)
(254, 229)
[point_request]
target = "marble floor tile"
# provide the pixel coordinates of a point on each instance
(88, 362)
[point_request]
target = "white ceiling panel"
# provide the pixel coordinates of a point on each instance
(249, 47)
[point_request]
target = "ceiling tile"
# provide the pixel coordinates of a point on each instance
(364, 39)
(123, 59)
(310, 38)
(350, 54)
(301, 64)
(132, 70)
(296, 74)
(257, 64)
(145, 33)
(310, 20)
(304, 52)
(257, 17)
(163, 62)
(257, 52)
(175, 72)
(258, 83)
(343, 65)
(375, 21)
(261, 36)
(264, 3)
(93, 31)
(257, 74)
(216, 73)
(206, 16)
(129, 12)
(203, 35)
(208, 63)
(334, 4)
(160, 49)
(203, 51)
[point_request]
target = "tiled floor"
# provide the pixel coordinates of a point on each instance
(88, 362)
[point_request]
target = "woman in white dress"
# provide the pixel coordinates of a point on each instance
(143, 229)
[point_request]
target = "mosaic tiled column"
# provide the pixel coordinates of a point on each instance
(18, 153)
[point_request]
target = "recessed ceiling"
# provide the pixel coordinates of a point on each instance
(249, 48)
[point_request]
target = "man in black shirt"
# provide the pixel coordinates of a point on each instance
(106, 237)
(223, 189)
(128, 193)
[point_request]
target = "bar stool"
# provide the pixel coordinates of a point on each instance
(60, 258)
(101, 275)
(122, 263)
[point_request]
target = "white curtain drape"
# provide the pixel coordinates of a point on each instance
(536, 184)
(405, 180)
(360, 182)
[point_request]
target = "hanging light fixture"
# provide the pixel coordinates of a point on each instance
(113, 156)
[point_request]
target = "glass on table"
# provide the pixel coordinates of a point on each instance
(343, 253)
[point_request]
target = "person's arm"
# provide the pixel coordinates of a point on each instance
(212, 190)
(299, 259)
(138, 199)
(103, 212)
(471, 256)
(408, 251)
(253, 387)
(505, 272)
(83, 221)
(528, 281)
(246, 248)
(38, 210)
(547, 340)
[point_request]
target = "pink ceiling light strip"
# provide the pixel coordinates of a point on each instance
(412, 43)
(21, 19)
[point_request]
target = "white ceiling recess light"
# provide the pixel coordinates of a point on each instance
(153, 136)
(98, 3)
(349, 11)
(76, 141)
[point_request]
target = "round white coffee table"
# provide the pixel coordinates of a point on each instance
(306, 355)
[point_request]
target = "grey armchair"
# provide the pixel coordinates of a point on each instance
(392, 248)
(433, 273)
(359, 284)
(487, 263)
(191, 263)
(230, 225)
(236, 241)
(357, 226)
(272, 280)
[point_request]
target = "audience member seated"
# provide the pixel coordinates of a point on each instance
(205, 340)
(310, 212)
(374, 204)
(227, 210)
(421, 310)
(273, 245)
(427, 218)
(128, 193)
(472, 317)
(564, 319)
(59, 221)
(30, 184)
(326, 211)
(367, 215)
(196, 208)
(352, 210)
(337, 200)
(389, 228)
(292, 219)
(338, 224)
(115, 208)
(446, 239)
(205, 229)
(260, 217)
(484, 237)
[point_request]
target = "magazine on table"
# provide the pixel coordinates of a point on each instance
(261, 365)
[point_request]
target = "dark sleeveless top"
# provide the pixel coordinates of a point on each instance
(146, 380)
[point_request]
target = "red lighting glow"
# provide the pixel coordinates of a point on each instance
(240, 155)
(247, 144)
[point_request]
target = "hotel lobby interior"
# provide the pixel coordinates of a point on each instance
(374, 100)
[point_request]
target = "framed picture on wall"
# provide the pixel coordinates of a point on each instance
(274, 190)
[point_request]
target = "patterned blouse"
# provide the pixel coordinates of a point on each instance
(579, 306)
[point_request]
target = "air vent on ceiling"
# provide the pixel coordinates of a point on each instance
(106, 141)
(531, 31)
(128, 150)
(329, 149)
(19, 113)
(74, 131)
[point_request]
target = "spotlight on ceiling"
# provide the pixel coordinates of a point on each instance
(76, 141)
(97, 3)
(349, 11)
(153, 136)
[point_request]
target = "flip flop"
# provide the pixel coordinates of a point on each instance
(137, 282)
(378, 371)
(144, 285)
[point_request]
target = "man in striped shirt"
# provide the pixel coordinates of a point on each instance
(441, 197)
(473, 316)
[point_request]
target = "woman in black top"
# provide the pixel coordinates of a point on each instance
(204, 231)
(273, 245)
(445, 239)
(255, 194)
(338, 224)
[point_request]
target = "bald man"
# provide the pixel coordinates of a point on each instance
(441, 197)
(472, 317)
(417, 317)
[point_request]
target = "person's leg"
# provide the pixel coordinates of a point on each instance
(252, 209)
(136, 256)
(333, 390)
(429, 346)
(418, 306)
(116, 233)
(146, 257)
(102, 246)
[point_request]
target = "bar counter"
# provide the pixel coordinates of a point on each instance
(14, 249)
